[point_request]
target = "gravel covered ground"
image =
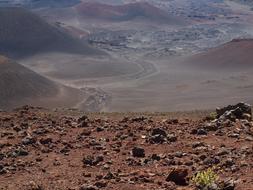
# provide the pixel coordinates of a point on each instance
(67, 150)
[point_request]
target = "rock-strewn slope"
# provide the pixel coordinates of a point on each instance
(41, 149)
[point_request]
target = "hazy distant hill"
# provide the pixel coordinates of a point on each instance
(24, 33)
(125, 12)
(245, 2)
(39, 3)
(233, 55)
(19, 86)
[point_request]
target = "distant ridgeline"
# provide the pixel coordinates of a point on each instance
(38, 3)
(245, 2)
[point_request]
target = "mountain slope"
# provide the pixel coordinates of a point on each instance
(19, 86)
(125, 12)
(39, 3)
(51, 3)
(244, 2)
(23, 33)
(233, 55)
(18, 83)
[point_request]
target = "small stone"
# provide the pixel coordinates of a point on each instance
(201, 132)
(197, 144)
(247, 116)
(86, 132)
(82, 118)
(171, 138)
(88, 160)
(138, 152)
(211, 127)
(223, 152)
(229, 185)
(21, 152)
(178, 176)
(88, 187)
(46, 140)
(28, 140)
(159, 131)
(155, 157)
(234, 135)
(101, 184)
(83, 121)
(109, 176)
(249, 138)
(100, 129)
(229, 162)
(34, 186)
(92, 161)
(2, 170)
(158, 136)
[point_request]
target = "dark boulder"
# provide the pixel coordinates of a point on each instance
(138, 152)
(178, 176)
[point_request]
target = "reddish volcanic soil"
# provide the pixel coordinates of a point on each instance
(124, 12)
(235, 54)
(41, 149)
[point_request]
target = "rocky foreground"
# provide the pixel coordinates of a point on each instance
(65, 150)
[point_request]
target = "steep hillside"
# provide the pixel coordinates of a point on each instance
(22, 33)
(18, 83)
(233, 55)
(19, 86)
(125, 12)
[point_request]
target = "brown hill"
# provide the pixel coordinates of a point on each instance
(19, 86)
(125, 12)
(23, 33)
(233, 55)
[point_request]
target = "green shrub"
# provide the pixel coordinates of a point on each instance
(213, 115)
(205, 179)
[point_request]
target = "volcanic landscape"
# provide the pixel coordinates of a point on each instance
(123, 94)
(147, 56)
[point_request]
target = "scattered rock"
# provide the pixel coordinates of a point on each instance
(232, 112)
(20, 152)
(35, 140)
(28, 140)
(83, 121)
(34, 186)
(228, 185)
(139, 119)
(138, 152)
(101, 184)
(88, 187)
(178, 176)
(158, 136)
(47, 140)
(201, 131)
(92, 161)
